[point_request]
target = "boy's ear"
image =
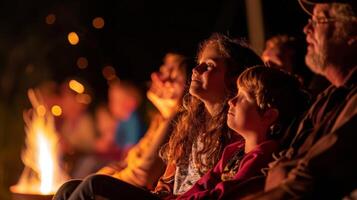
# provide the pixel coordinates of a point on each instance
(271, 115)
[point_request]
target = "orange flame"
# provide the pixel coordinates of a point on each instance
(42, 173)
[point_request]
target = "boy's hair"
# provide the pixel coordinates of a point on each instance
(274, 88)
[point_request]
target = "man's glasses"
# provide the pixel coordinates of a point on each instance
(316, 21)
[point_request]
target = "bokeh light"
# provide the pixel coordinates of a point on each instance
(73, 38)
(82, 62)
(98, 22)
(56, 110)
(50, 19)
(76, 86)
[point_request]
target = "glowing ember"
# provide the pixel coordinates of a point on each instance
(42, 173)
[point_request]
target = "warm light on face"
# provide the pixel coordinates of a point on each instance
(56, 110)
(73, 38)
(98, 22)
(82, 62)
(50, 19)
(76, 86)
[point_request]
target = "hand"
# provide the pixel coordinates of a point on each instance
(113, 168)
(165, 94)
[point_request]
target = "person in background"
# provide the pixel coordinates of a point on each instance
(123, 101)
(105, 149)
(285, 52)
(281, 52)
(106, 124)
(76, 125)
(142, 167)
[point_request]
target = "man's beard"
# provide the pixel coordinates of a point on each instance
(317, 62)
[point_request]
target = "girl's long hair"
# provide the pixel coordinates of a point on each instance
(194, 120)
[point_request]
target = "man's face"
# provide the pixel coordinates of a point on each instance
(324, 39)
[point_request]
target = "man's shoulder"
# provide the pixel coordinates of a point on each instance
(349, 110)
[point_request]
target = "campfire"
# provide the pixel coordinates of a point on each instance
(42, 174)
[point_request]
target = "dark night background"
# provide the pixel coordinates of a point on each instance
(136, 35)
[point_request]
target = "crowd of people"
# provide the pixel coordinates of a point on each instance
(240, 126)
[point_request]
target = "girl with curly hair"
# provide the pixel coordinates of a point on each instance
(201, 132)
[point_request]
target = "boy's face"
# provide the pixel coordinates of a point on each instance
(243, 116)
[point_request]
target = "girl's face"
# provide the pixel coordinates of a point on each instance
(207, 82)
(243, 116)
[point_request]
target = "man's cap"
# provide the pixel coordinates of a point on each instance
(308, 5)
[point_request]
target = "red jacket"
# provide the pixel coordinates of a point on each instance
(211, 186)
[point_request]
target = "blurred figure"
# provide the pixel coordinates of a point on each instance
(124, 99)
(49, 92)
(105, 149)
(106, 124)
(280, 53)
(167, 85)
(142, 167)
(285, 52)
(76, 124)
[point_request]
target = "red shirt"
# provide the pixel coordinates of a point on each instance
(211, 186)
